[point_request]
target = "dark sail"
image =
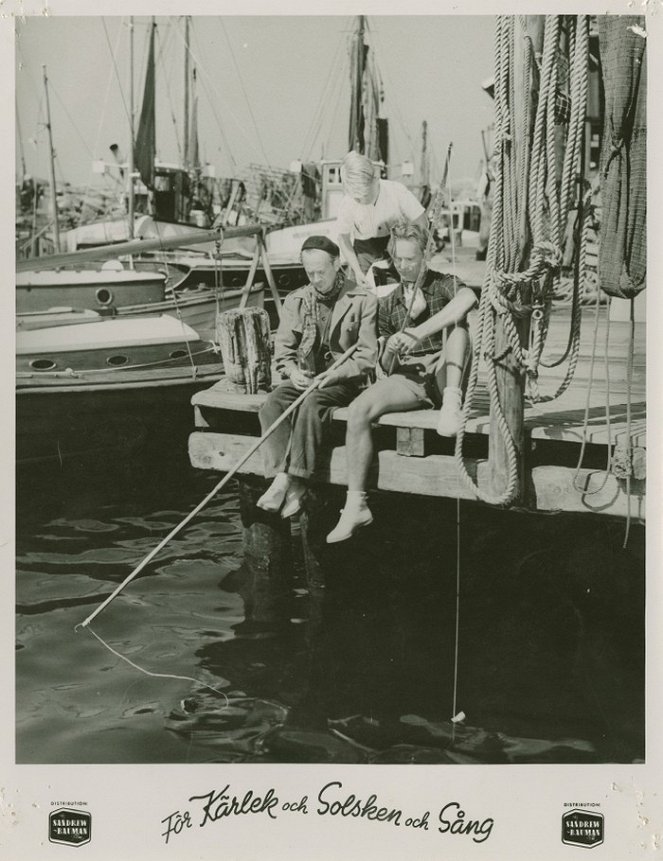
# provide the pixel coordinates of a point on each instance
(145, 145)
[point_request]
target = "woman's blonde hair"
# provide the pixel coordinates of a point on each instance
(358, 174)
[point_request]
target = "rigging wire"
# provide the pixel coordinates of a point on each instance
(202, 74)
(117, 73)
(317, 118)
(69, 117)
(88, 186)
(375, 33)
(337, 105)
(168, 68)
(241, 83)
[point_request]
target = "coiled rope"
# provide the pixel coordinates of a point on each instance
(530, 211)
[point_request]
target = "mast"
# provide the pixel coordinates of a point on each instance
(20, 141)
(51, 161)
(130, 166)
(357, 67)
(187, 85)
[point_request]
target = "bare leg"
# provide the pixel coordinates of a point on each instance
(453, 364)
(390, 395)
(450, 378)
(386, 396)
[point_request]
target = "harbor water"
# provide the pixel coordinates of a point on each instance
(549, 665)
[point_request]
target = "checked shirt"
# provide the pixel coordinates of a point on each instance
(438, 289)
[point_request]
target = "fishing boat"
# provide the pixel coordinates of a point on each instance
(166, 189)
(105, 385)
(113, 289)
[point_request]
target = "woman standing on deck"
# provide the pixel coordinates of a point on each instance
(370, 208)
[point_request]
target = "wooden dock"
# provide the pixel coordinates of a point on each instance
(411, 458)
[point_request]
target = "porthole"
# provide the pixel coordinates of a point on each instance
(104, 296)
(178, 354)
(117, 360)
(284, 281)
(43, 364)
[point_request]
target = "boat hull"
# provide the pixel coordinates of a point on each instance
(96, 289)
(106, 416)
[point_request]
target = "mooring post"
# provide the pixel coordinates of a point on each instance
(313, 527)
(267, 555)
(511, 391)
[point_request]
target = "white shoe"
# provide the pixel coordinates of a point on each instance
(272, 498)
(294, 497)
(353, 517)
(450, 419)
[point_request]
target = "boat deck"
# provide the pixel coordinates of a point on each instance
(565, 454)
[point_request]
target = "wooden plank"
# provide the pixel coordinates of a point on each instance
(552, 488)
(410, 442)
(559, 420)
(435, 475)
(557, 489)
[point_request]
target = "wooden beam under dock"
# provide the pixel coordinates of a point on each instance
(412, 459)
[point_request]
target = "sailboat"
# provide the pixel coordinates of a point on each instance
(368, 132)
(158, 283)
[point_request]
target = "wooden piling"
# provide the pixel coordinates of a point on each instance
(244, 337)
(511, 389)
(267, 555)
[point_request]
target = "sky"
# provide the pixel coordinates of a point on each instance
(270, 89)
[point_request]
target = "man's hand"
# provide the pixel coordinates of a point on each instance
(301, 380)
(401, 343)
(327, 379)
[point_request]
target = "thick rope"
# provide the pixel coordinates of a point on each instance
(529, 192)
(629, 442)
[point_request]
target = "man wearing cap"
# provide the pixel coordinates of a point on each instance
(319, 322)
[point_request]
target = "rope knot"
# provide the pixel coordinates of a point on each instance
(548, 254)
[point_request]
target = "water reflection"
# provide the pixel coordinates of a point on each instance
(341, 653)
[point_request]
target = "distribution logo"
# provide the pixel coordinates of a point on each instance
(582, 828)
(71, 827)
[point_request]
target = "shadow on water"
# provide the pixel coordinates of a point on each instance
(322, 653)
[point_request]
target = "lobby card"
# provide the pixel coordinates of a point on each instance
(445, 788)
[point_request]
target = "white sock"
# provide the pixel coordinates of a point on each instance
(359, 498)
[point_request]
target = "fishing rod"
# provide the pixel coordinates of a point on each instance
(226, 478)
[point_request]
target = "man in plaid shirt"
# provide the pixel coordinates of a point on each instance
(415, 369)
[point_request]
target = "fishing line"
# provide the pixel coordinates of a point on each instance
(157, 675)
(456, 715)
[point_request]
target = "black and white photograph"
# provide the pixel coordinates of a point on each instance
(327, 461)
